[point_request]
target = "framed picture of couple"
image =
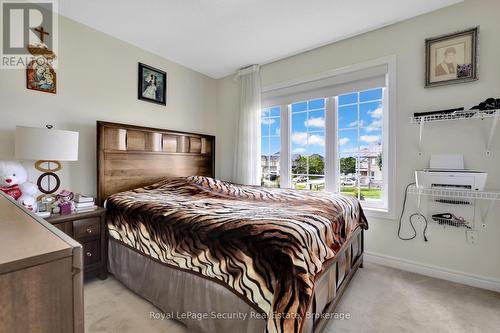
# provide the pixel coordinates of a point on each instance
(152, 85)
(452, 58)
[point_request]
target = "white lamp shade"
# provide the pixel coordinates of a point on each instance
(34, 143)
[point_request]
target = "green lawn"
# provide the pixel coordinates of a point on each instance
(271, 183)
(374, 193)
(300, 186)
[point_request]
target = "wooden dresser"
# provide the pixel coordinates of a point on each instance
(89, 229)
(41, 277)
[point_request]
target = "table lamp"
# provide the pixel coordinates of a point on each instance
(47, 146)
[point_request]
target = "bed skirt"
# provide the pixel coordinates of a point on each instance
(207, 306)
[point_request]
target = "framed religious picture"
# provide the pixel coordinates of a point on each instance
(452, 58)
(41, 76)
(152, 85)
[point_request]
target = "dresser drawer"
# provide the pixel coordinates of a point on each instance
(91, 253)
(87, 228)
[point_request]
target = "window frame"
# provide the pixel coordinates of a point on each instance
(332, 172)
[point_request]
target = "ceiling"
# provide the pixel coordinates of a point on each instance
(216, 37)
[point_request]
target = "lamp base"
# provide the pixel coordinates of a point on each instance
(48, 173)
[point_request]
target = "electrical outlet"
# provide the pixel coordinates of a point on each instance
(472, 236)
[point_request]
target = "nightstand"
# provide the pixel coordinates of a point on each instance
(89, 229)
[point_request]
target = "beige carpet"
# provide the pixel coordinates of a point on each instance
(379, 299)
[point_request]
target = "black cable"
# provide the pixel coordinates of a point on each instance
(411, 221)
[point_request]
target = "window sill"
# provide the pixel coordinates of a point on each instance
(378, 213)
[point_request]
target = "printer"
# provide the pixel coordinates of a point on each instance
(448, 172)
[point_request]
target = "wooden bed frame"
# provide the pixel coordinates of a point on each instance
(130, 156)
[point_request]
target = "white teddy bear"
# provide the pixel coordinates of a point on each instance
(13, 182)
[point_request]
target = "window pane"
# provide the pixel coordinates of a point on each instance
(299, 164)
(316, 120)
(316, 164)
(348, 116)
(348, 174)
(274, 146)
(370, 140)
(264, 127)
(370, 178)
(265, 168)
(370, 95)
(299, 123)
(360, 146)
(274, 162)
(301, 106)
(316, 143)
(348, 141)
(348, 98)
(316, 183)
(274, 127)
(351, 190)
(308, 145)
(299, 134)
(264, 146)
(299, 182)
(274, 111)
(371, 115)
(347, 166)
(316, 104)
(270, 146)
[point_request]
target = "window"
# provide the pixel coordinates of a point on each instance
(270, 146)
(308, 145)
(333, 132)
(359, 138)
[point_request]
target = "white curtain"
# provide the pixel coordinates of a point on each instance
(246, 166)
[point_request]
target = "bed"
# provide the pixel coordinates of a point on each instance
(221, 257)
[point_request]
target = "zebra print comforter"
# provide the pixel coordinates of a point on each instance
(267, 245)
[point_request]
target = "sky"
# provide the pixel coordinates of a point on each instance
(308, 125)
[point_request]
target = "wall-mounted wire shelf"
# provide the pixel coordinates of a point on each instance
(457, 115)
(457, 200)
(462, 194)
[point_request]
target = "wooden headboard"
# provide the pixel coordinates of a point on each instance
(131, 156)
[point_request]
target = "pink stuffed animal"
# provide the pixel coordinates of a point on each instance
(65, 201)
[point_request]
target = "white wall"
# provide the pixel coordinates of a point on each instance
(447, 248)
(97, 80)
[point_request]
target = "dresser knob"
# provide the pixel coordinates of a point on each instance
(89, 254)
(89, 231)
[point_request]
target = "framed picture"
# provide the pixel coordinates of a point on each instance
(152, 85)
(41, 76)
(452, 58)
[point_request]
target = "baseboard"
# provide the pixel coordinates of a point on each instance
(433, 271)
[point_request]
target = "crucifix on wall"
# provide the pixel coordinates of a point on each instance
(42, 33)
